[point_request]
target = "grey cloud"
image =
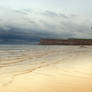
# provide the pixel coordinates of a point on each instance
(21, 26)
(54, 14)
(50, 13)
(24, 11)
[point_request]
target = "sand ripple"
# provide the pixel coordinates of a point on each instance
(73, 63)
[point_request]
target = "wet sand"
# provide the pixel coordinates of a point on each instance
(46, 69)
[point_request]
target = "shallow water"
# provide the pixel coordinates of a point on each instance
(32, 68)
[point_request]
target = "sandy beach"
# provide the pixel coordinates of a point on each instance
(46, 69)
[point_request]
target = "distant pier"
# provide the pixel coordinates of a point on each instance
(66, 42)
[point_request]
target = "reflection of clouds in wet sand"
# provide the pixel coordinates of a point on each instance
(46, 69)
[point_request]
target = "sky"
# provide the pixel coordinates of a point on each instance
(30, 20)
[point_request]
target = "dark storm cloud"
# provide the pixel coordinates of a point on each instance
(15, 35)
(27, 26)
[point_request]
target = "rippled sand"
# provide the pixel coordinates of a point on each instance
(45, 69)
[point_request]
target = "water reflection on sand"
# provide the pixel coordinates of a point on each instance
(45, 69)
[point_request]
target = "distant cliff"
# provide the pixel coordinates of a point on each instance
(66, 42)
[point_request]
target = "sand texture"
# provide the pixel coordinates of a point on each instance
(45, 69)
